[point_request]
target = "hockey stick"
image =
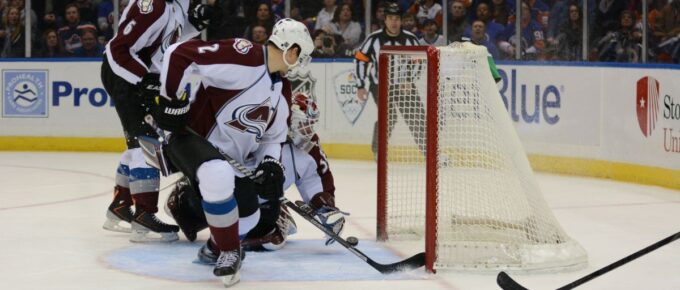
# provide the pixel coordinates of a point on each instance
(507, 283)
(306, 212)
(414, 262)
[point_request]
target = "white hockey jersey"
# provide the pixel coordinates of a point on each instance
(307, 169)
(147, 28)
(240, 107)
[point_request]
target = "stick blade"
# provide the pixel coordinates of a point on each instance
(507, 283)
(414, 262)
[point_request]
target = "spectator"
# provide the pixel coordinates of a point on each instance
(607, 13)
(668, 30)
(378, 21)
(15, 38)
(480, 36)
(501, 12)
(325, 15)
(20, 5)
(91, 47)
(458, 22)
(87, 10)
(50, 21)
(430, 35)
(343, 24)
(260, 34)
(426, 9)
(622, 45)
(105, 18)
(263, 17)
(69, 34)
(569, 43)
(408, 23)
(559, 14)
(324, 44)
(50, 46)
(532, 43)
(492, 29)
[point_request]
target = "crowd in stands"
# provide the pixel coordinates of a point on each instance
(551, 29)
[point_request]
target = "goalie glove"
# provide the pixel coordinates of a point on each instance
(269, 175)
(327, 214)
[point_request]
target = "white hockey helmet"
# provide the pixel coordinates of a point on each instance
(288, 32)
(304, 115)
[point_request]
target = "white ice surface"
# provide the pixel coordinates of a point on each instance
(52, 207)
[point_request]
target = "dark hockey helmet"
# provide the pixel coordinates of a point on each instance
(392, 9)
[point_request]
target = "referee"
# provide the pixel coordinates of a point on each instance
(409, 104)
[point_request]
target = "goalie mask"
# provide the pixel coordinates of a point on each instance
(304, 115)
(288, 32)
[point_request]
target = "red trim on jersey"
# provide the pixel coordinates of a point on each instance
(121, 43)
(326, 177)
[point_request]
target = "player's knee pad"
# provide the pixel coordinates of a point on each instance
(215, 180)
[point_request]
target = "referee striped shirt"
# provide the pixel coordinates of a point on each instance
(370, 50)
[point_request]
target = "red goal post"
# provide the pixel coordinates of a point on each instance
(452, 171)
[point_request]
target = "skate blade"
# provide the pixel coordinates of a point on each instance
(146, 236)
(114, 224)
(230, 280)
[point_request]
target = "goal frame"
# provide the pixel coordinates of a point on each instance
(431, 159)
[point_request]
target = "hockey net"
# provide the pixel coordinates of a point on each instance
(451, 168)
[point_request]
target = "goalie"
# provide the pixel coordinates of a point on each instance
(305, 165)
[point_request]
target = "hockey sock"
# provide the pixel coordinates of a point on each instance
(222, 219)
(144, 183)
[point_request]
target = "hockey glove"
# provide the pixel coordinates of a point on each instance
(327, 214)
(269, 174)
(148, 88)
(170, 114)
(200, 14)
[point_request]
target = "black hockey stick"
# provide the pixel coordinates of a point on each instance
(507, 283)
(306, 212)
(414, 262)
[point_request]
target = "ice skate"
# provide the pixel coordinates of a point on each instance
(119, 213)
(227, 267)
(146, 227)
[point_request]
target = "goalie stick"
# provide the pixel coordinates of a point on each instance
(507, 283)
(414, 262)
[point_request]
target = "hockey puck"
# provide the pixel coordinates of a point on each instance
(352, 241)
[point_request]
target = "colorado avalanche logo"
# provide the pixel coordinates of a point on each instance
(252, 118)
(242, 46)
(647, 104)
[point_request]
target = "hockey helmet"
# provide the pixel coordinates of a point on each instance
(288, 32)
(304, 115)
(392, 9)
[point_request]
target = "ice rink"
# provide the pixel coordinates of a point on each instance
(52, 207)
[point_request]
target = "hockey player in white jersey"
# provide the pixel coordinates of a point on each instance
(131, 63)
(305, 166)
(240, 110)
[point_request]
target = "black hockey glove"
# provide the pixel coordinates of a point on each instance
(200, 14)
(170, 114)
(269, 174)
(148, 88)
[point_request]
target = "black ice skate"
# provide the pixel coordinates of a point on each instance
(119, 213)
(146, 227)
(207, 254)
(228, 265)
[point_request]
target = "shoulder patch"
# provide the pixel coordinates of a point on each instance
(145, 6)
(242, 46)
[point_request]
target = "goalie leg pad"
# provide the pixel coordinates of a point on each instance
(184, 205)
